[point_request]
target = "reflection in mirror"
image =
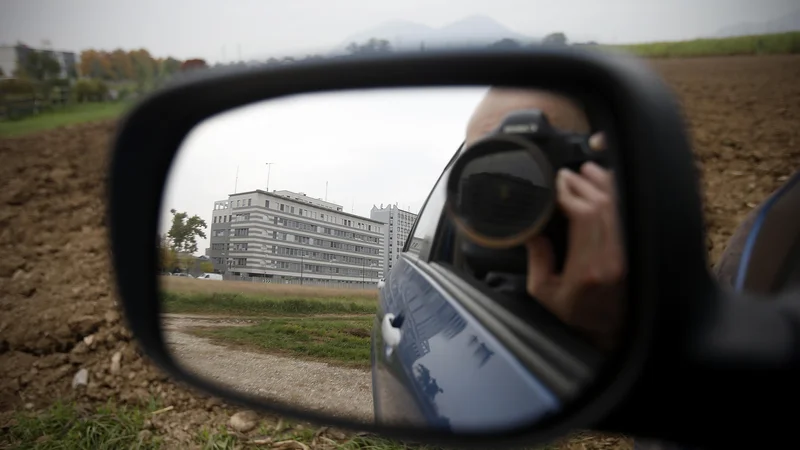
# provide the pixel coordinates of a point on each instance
(309, 245)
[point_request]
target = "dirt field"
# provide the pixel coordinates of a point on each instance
(744, 114)
(57, 307)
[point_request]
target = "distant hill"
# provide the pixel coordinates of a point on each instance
(789, 22)
(406, 35)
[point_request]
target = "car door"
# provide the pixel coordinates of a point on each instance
(447, 371)
(763, 256)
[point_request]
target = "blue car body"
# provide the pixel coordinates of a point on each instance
(447, 371)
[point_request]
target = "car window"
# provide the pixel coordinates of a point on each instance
(422, 235)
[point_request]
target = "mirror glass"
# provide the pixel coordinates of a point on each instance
(309, 247)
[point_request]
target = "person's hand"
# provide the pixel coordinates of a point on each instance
(588, 294)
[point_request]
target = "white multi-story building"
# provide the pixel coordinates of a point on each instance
(12, 58)
(287, 236)
(397, 227)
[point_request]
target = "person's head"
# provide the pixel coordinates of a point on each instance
(562, 112)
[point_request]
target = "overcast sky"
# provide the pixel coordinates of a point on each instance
(372, 147)
(200, 28)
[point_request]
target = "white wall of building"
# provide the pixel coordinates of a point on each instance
(8, 61)
(265, 234)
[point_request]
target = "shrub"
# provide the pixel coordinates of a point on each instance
(17, 86)
(91, 90)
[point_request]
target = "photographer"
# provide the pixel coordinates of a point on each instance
(588, 294)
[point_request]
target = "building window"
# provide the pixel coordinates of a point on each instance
(292, 210)
(281, 207)
(241, 231)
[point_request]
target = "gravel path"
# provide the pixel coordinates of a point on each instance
(322, 387)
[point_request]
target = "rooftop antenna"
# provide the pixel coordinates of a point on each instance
(353, 207)
(236, 183)
(269, 167)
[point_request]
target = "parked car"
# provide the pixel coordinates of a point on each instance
(210, 276)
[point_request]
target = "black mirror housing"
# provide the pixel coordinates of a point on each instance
(662, 223)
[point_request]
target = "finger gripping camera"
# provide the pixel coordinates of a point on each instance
(501, 190)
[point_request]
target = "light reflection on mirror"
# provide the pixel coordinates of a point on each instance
(300, 239)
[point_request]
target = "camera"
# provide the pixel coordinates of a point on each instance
(501, 190)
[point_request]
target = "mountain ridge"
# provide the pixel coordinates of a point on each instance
(783, 24)
(408, 35)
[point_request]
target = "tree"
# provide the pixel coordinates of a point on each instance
(505, 43)
(193, 64)
(371, 46)
(186, 263)
(120, 65)
(184, 232)
(145, 68)
(555, 39)
(207, 267)
(170, 66)
(39, 66)
(167, 257)
(96, 64)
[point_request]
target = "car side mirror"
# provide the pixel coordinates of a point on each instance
(575, 385)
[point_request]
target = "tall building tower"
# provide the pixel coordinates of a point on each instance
(397, 226)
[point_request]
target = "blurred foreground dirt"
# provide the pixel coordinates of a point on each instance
(57, 302)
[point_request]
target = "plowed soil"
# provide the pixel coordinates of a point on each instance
(57, 300)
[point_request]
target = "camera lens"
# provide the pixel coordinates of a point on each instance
(503, 194)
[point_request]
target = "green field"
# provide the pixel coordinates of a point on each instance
(768, 44)
(69, 115)
(66, 426)
(262, 304)
(338, 340)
